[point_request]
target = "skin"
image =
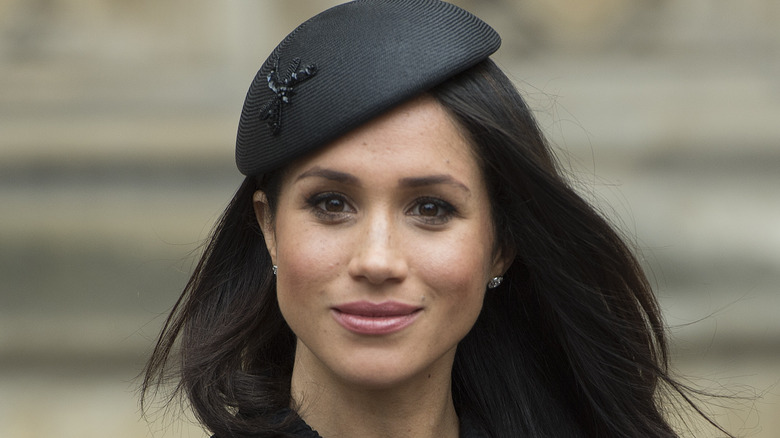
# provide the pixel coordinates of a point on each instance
(396, 210)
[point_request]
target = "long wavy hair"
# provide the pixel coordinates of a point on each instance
(570, 345)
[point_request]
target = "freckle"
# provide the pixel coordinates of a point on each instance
(429, 376)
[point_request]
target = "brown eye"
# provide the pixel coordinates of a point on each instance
(429, 209)
(432, 211)
(334, 205)
(330, 207)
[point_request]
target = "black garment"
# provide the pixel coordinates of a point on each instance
(300, 429)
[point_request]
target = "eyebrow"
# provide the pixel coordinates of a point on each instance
(329, 174)
(408, 182)
(432, 180)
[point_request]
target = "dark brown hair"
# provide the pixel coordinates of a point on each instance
(570, 345)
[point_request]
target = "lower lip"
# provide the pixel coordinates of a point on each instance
(374, 325)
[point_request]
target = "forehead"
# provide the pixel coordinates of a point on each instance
(417, 137)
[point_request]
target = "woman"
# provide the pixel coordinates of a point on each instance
(405, 259)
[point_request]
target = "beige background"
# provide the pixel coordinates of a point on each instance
(117, 119)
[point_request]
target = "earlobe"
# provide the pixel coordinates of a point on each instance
(501, 264)
(503, 260)
(264, 219)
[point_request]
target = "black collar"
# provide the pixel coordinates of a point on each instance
(299, 428)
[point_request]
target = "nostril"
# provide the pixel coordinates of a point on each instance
(378, 266)
(378, 273)
(378, 257)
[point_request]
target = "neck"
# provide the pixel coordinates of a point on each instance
(421, 406)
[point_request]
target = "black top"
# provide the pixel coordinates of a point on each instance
(299, 429)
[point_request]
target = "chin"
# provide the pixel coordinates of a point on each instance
(379, 378)
(379, 372)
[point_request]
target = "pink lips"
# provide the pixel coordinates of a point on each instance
(368, 318)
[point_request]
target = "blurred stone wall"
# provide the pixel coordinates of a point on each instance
(117, 119)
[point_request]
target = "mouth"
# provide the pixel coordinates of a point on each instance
(366, 318)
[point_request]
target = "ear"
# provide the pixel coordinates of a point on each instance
(265, 220)
(502, 261)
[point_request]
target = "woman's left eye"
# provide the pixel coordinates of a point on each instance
(432, 211)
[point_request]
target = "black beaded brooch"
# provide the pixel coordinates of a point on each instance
(283, 90)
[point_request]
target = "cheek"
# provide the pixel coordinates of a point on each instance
(456, 268)
(307, 259)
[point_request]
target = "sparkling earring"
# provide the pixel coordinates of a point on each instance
(275, 269)
(494, 282)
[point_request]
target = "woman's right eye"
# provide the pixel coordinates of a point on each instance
(330, 206)
(333, 205)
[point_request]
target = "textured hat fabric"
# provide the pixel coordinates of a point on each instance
(346, 66)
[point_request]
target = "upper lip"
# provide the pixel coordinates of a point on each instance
(367, 308)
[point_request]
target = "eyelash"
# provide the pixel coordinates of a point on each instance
(446, 210)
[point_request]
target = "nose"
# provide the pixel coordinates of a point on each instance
(378, 256)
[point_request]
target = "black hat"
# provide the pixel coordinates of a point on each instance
(346, 66)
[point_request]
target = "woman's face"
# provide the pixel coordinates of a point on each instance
(384, 245)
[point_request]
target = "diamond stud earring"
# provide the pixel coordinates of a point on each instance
(494, 282)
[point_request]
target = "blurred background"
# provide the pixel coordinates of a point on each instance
(117, 122)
